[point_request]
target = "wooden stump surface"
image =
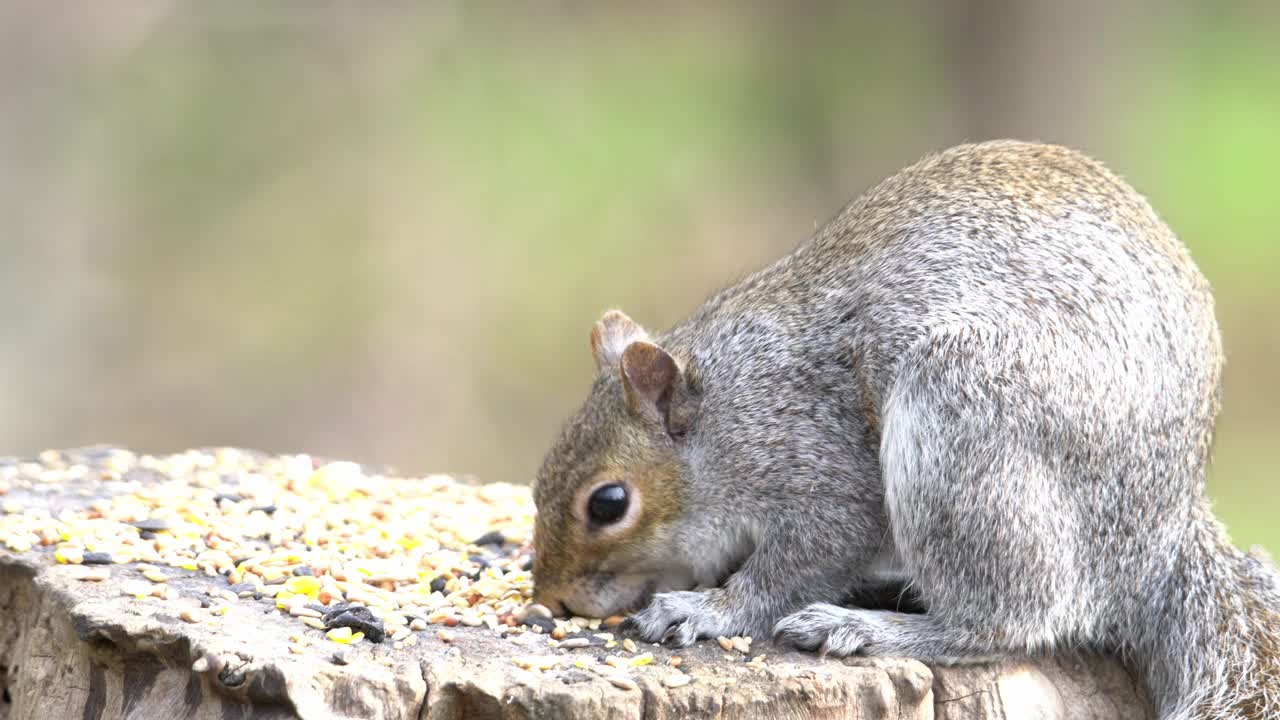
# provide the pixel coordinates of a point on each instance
(76, 649)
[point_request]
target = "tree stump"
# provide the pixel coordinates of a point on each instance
(72, 647)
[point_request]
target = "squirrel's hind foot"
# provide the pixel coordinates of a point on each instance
(842, 631)
(829, 629)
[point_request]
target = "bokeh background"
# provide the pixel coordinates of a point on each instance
(382, 230)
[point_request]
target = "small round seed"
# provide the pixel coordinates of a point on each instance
(90, 574)
(135, 588)
(69, 555)
(676, 680)
(536, 610)
(623, 682)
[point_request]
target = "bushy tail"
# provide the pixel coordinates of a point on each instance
(1215, 654)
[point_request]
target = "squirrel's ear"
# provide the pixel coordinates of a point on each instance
(654, 385)
(611, 336)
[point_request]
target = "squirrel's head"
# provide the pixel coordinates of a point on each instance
(612, 492)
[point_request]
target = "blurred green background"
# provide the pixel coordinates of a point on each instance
(382, 230)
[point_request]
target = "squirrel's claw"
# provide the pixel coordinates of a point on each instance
(679, 619)
(680, 635)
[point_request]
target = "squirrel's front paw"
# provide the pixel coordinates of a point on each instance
(830, 629)
(680, 618)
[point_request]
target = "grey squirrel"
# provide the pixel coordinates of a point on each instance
(993, 377)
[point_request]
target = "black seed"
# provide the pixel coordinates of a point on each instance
(147, 535)
(335, 610)
(228, 497)
(204, 603)
(527, 565)
(258, 596)
(437, 585)
(152, 524)
(302, 570)
(268, 509)
(480, 560)
(96, 558)
(338, 658)
(547, 624)
(358, 618)
(493, 537)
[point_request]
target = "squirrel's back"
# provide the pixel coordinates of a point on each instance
(990, 237)
(986, 232)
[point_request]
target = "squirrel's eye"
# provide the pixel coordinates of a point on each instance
(607, 504)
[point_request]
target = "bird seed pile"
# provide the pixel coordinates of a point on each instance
(353, 554)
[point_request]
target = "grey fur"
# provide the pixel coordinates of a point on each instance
(995, 374)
